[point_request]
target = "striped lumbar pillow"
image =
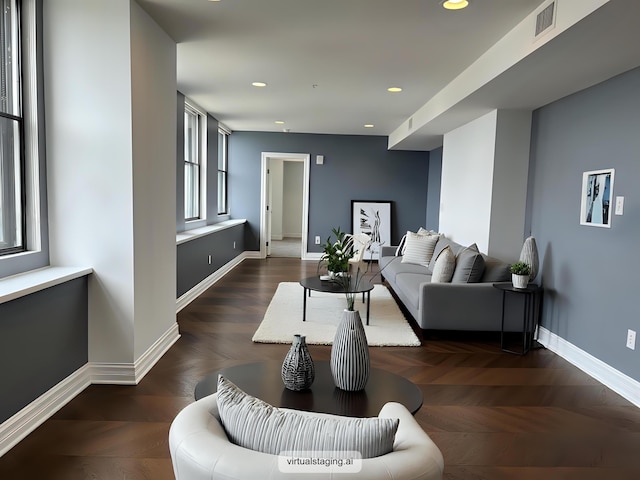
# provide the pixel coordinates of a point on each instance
(254, 424)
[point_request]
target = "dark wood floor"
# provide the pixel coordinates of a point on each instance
(494, 415)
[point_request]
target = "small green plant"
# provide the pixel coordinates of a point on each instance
(520, 268)
(336, 254)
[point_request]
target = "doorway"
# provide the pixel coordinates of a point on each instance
(284, 215)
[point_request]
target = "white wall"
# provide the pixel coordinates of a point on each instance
(485, 167)
(293, 177)
(154, 86)
(276, 169)
(105, 201)
(467, 182)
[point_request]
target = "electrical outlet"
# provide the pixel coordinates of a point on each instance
(631, 339)
(619, 205)
(317, 239)
(209, 259)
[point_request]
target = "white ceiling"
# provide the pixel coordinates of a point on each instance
(328, 63)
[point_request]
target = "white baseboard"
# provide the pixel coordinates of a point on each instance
(189, 296)
(33, 415)
(312, 256)
(132, 373)
(617, 381)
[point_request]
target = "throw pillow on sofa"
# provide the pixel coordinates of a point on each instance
(469, 266)
(257, 425)
(402, 245)
(419, 248)
(444, 266)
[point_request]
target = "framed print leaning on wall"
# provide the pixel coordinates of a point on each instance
(597, 193)
(374, 219)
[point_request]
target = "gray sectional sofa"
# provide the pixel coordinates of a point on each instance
(447, 306)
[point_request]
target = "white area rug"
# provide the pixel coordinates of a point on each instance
(283, 318)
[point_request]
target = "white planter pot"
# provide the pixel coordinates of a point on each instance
(519, 281)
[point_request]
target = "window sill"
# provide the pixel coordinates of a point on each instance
(192, 234)
(26, 283)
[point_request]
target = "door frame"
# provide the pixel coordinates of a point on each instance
(264, 197)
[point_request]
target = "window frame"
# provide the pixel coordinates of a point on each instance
(200, 153)
(13, 234)
(223, 169)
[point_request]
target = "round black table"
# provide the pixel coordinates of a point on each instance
(263, 380)
(361, 285)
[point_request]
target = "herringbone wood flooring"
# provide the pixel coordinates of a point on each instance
(494, 415)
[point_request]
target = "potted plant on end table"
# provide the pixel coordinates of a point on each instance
(520, 272)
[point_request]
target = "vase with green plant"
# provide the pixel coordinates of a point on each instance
(520, 272)
(336, 254)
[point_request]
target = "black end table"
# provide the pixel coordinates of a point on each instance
(263, 380)
(363, 286)
(532, 294)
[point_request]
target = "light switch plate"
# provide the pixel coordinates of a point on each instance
(619, 205)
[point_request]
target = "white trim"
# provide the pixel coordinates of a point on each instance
(617, 381)
(132, 373)
(264, 163)
(189, 296)
(46, 405)
(33, 281)
(312, 256)
(192, 234)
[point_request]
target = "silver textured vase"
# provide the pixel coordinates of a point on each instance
(298, 371)
(529, 255)
(350, 361)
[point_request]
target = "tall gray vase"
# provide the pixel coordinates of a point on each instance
(350, 362)
(298, 371)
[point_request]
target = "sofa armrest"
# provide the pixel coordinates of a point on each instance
(460, 306)
(388, 251)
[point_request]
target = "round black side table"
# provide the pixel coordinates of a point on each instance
(532, 294)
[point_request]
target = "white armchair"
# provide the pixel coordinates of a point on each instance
(201, 450)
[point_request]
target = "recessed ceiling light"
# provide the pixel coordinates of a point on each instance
(280, 122)
(455, 4)
(394, 89)
(259, 84)
(369, 125)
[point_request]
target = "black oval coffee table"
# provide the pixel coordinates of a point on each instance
(263, 380)
(361, 285)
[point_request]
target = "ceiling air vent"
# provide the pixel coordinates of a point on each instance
(545, 19)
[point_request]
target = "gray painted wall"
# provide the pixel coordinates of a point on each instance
(355, 168)
(43, 340)
(433, 189)
(193, 265)
(590, 274)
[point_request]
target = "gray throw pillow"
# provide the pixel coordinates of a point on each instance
(469, 266)
(495, 270)
(256, 425)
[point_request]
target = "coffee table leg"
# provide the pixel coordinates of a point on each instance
(304, 304)
(368, 304)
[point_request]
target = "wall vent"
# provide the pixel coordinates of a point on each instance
(546, 19)
(410, 123)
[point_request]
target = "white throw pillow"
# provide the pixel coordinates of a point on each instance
(402, 245)
(419, 248)
(444, 267)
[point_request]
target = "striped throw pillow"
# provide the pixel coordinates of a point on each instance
(254, 424)
(419, 248)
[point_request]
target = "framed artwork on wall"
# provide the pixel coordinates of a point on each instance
(596, 200)
(374, 219)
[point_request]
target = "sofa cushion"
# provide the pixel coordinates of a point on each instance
(419, 248)
(495, 270)
(390, 269)
(444, 266)
(257, 425)
(409, 283)
(469, 266)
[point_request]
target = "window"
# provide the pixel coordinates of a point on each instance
(12, 223)
(194, 163)
(223, 137)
